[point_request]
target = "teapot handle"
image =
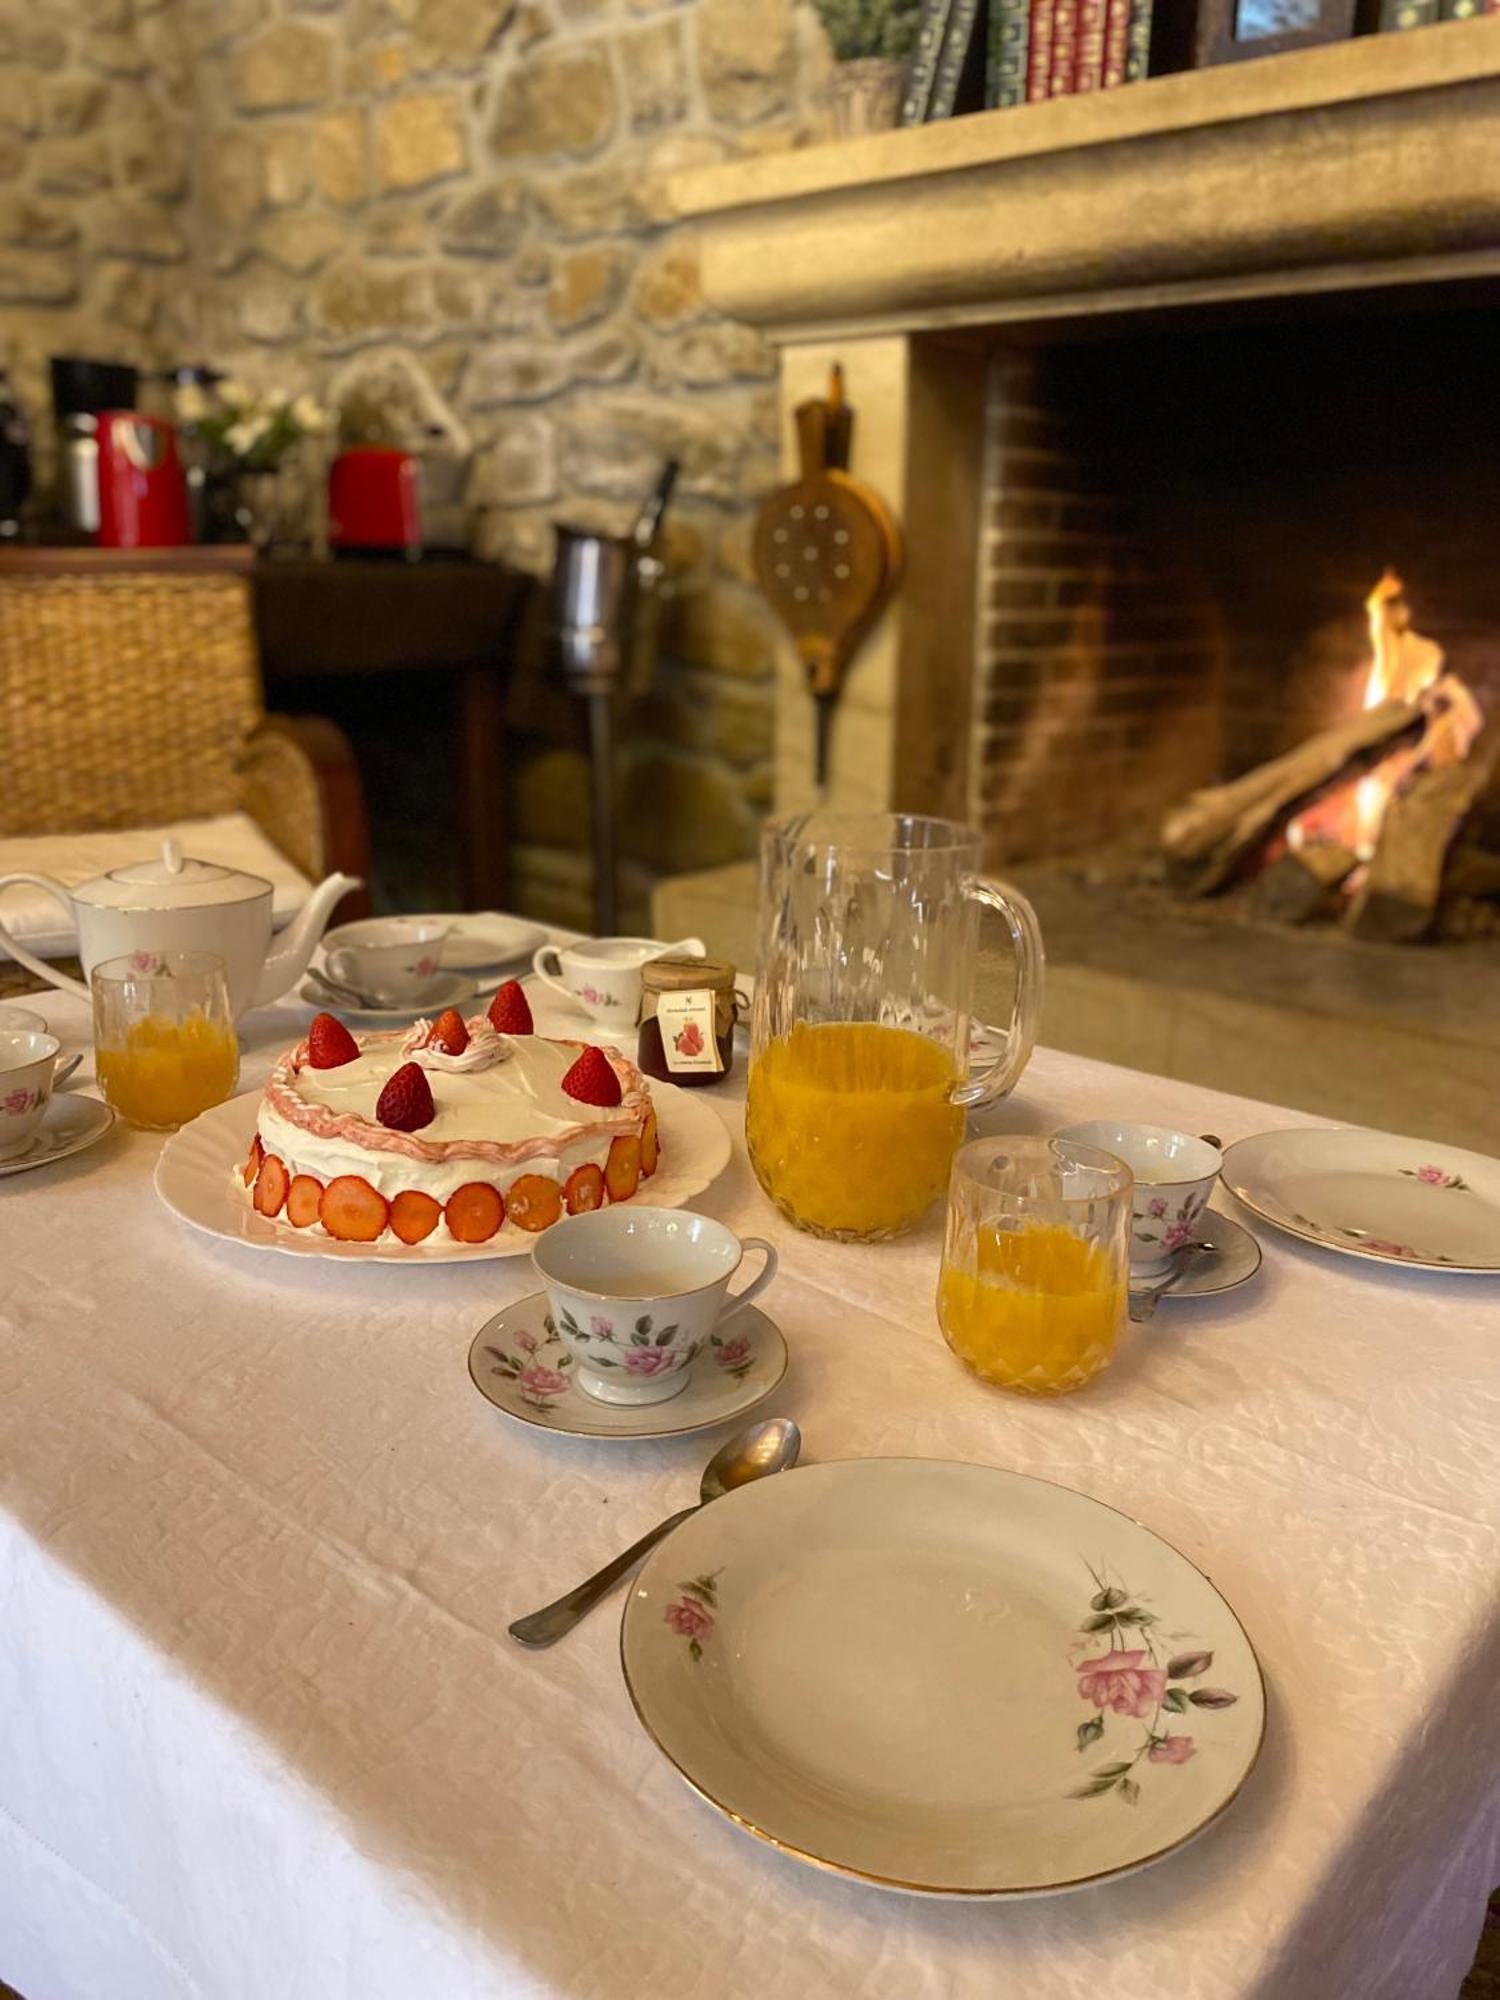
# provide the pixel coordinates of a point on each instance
(1019, 1038)
(19, 952)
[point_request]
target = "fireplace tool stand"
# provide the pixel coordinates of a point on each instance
(605, 594)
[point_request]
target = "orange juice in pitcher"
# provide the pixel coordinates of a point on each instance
(859, 1061)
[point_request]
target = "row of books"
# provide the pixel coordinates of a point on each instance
(973, 54)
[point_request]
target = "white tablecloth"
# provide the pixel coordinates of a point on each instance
(264, 1736)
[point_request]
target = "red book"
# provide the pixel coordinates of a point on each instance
(1039, 51)
(1064, 48)
(1088, 67)
(1116, 42)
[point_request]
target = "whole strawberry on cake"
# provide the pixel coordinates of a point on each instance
(446, 1130)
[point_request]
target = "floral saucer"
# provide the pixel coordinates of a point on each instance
(1234, 1257)
(68, 1125)
(518, 1363)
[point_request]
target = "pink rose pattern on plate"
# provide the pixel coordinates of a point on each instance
(643, 1348)
(1436, 1177)
(594, 996)
(19, 1102)
(691, 1617)
(1131, 1679)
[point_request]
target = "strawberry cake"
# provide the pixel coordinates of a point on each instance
(445, 1131)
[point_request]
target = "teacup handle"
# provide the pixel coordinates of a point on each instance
(546, 973)
(753, 1291)
(1019, 1038)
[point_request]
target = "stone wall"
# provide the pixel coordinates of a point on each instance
(454, 210)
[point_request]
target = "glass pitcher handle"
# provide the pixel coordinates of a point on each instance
(1019, 1037)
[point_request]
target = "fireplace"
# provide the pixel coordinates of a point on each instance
(1180, 532)
(1159, 387)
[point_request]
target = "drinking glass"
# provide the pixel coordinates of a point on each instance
(1033, 1288)
(164, 1040)
(860, 1033)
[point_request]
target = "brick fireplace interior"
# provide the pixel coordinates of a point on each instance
(1179, 527)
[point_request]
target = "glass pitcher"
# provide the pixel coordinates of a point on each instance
(860, 1069)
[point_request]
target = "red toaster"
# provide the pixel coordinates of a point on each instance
(375, 500)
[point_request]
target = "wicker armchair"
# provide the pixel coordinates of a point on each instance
(130, 696)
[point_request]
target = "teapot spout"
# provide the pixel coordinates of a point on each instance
(288, 961)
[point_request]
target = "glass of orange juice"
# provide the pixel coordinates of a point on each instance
(164, 1041)
(1032, 1293)
(861, 1065)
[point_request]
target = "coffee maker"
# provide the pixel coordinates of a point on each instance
(80, 390)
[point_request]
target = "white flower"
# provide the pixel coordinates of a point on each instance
(274, 400)
(244, 436)
(235, 393)
(309, 415)
(192, 404)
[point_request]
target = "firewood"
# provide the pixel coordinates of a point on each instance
(1299, 885)
(1205, 837)
(1397, 901)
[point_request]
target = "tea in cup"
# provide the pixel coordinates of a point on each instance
(28, 1067)
(1174, 1177)
(391, 960)
(637, 1293)
(603, 975)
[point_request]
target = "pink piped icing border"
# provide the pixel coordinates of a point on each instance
(321, 1123)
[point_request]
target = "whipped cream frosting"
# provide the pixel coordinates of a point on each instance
(510, 1090)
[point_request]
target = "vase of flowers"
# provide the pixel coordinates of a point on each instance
(256, 444)
(871, 42)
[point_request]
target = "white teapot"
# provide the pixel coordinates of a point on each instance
(173, 903)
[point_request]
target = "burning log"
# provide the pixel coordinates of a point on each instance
(1304, 882)
(1398, 898)
(1207, 836)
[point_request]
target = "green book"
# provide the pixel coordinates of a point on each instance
(1138, 42)
(921, 70)
(1005, 66)
(959, 83)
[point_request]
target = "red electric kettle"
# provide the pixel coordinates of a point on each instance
(142, 493)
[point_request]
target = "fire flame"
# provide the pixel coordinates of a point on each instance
(1403, 667)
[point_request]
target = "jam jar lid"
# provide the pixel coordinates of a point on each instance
(681, 974)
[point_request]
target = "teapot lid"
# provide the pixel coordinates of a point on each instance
(171, 881)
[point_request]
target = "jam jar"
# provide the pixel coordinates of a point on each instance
(688, 1011)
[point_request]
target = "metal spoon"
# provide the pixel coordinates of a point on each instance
(1143, 1300)
(752, 1453)
(340, 994)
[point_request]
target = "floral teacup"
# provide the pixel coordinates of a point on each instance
(28, 1068)
(1174, 1177)
(636, 1293)
(393, 960)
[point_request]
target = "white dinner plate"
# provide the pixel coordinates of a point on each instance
(519, 1363)
(942, 1678)
(197, 1178)
(1370, 1194)
(482, 940)
(67, 1125)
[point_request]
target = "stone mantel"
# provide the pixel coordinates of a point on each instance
(1369, 162)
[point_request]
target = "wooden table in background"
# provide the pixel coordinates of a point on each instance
(453, 618)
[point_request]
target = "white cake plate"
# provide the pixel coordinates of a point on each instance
(197, 1177)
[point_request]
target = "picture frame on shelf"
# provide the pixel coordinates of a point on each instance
(1205, 33)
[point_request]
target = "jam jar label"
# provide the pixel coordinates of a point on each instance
(688, 1041)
